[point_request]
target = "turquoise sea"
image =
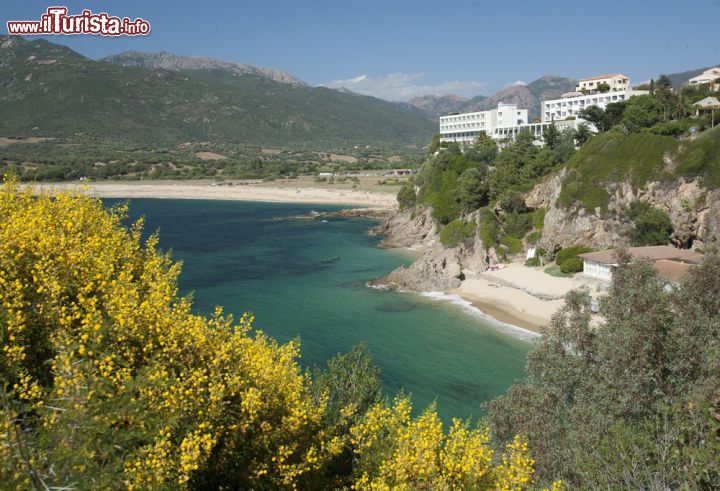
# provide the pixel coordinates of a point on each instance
(255, 257)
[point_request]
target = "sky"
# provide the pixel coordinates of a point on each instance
(399, 49)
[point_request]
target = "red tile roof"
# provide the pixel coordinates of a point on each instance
(653, 253)
(607, 75)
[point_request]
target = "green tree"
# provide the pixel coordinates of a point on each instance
(434, 144)
(551, 136)
(651, 226)
(472, 189)
(628, 403)
(641, 112)
(582, 134)
(603, 87)
(406, 195)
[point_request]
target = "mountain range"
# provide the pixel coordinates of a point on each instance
(526, 96)
(50, 90)
(169, 61)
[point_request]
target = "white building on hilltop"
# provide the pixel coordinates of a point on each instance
(570, 104)
(616, 81)
(464, 128)
(707, 77)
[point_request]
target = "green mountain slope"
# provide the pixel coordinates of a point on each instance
(49, 90)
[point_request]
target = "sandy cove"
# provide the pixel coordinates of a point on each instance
(521, 296)
(185, 190)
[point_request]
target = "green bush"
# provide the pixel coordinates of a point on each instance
(455, 232)
(555, 271)
(538, 218)
(489, 230)
(571, 265)
(406, 196)
(513, 244)
(533, 262)
(517, 224)
(570, 252)
(534, 237)
(651, 228)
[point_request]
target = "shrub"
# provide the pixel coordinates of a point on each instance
(513, 244)
(534, 237)
(513, 202)
(406, 195)
(533, 262)
(455, 232)
(538, 218)
(517, 224)
(571, 265)
(651, 226)
(489, 230)
(570, 252)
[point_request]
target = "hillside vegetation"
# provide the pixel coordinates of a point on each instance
(51, 91)
(638, 158)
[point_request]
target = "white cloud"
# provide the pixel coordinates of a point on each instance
(516, 82)
(404, 86)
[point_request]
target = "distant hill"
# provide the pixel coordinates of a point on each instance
(50, 90)
(169, 61)
(681, 78)
(436, 106)
(526, 96)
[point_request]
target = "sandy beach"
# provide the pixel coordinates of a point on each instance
(521, 296)
(205, 190)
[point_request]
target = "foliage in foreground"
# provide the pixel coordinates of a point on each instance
(107, 379)
(632, 403)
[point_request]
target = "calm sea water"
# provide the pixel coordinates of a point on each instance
(255, 257)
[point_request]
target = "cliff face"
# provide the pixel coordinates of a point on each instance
(694, 211)
(439, 267)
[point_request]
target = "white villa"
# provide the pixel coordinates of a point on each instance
(707, 77)
(616, 81)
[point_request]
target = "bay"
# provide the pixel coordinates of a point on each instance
(305, 279)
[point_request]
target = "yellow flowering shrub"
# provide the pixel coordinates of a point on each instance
(118, 380)
(397, 452)
(107, 380)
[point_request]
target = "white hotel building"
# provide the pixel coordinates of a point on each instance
(508, 120)
(501, 123)
(464, 128)
(569, 105)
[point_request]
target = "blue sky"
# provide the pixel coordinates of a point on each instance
(397, 49)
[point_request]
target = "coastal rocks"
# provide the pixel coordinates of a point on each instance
(409, 228)
(378, 213)
(437, 269)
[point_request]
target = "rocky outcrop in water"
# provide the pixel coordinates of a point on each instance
(439, 267)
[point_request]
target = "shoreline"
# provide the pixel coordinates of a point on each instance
(196, 190)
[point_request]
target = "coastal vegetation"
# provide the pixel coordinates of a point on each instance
(108, 379)
(631, 403)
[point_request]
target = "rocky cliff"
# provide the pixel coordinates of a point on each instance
(693, 209)
(439, 267)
